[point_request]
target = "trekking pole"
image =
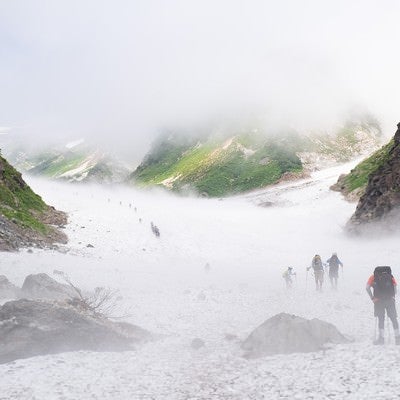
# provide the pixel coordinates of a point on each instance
(376, 324)
(306, 282)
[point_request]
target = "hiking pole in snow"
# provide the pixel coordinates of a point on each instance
(306, 281)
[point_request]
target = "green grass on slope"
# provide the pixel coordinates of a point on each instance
(235, 173)
(210, 169)
(189, 164)
(59, 165)
(17, 200)
(162, 158)
(358, 177)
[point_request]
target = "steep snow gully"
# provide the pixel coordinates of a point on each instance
(166, 288)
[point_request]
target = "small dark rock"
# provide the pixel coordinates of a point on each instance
(197, 344)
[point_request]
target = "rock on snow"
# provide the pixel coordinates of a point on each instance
(285, 333)
(30, 328)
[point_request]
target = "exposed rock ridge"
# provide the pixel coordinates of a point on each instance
(381, 200)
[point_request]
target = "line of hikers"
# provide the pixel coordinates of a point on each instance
(381, 288)
(333, 263)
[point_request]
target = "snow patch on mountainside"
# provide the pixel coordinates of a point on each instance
(75, 143)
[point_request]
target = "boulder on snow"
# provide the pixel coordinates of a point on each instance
(42, 286)
(7, 289)
(285, 334)
(30, 328)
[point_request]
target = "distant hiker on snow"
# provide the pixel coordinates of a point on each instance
(334, 264)
(155, 229)
(384, 291)
(318, 268)
(287, 276)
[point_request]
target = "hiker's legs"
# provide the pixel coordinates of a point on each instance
(379, 311)
(288, 283)
(392, 314)
(321, 279)
(316, 280)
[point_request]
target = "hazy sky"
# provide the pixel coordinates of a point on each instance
(119, 70)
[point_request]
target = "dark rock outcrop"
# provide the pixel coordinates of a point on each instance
(381, 200)
(285, 334)
(30, 328)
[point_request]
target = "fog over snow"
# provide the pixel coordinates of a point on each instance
(166, 290)
(119, 71)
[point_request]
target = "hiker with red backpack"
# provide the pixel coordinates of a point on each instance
(382, 289)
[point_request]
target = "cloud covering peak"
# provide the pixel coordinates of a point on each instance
(118, 71)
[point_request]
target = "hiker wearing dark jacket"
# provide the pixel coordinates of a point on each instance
(334, 264)
(382, 289)
(318, 268)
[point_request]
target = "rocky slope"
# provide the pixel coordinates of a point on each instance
(381, 199)
(353, 184)
(221, 164)
(25, 219)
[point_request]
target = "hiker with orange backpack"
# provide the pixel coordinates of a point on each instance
(382, 288)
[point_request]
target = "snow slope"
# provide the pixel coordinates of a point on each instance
(166, 289)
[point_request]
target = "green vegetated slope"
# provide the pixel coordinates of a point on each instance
(53, 166)
(354, 183)
(17, 200)
(220, 165)
(217, 167)
(78, 164)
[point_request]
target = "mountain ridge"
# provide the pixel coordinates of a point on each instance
(224, 164)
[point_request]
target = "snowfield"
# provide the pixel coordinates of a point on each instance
(165, 289)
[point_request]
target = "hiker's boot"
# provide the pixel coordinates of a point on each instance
(379, 341)
(397, 340)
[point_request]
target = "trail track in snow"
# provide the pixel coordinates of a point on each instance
(164, 285)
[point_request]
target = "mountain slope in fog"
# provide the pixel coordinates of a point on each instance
(25, 219)
(381, 199)
(223, 164)
(75, 162)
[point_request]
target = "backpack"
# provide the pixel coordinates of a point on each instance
(334, 261)
(383, 282)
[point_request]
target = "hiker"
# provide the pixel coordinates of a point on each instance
(384, 290)
(207, 267)
(287, 276)
(155, 230)
(318, 268)
(334, 264)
